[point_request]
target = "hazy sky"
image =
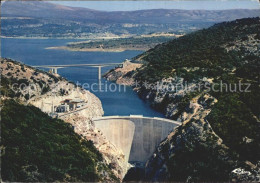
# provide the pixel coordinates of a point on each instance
(138, 5)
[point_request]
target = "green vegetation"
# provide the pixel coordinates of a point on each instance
(233, 120)
(199, 160)
(204, 49)
(37, 148)
(14, 85)
(227, 52)
(138, 43)
(5, 88)
(8, 88)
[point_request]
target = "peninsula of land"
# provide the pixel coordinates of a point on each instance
(143, 43)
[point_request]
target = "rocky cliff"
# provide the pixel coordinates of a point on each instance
(123, 76)
(45, 90)
(194, 152)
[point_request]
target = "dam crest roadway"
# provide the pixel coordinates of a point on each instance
(137, 136)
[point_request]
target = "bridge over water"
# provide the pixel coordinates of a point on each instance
(135, 135)
(54, 68)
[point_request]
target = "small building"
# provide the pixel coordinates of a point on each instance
(62, 108)
(126, 63)
(73, 103)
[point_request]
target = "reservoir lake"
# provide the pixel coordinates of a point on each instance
(123, 101)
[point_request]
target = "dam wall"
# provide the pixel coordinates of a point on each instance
(135, 135)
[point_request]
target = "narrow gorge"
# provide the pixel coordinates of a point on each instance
(133, 91)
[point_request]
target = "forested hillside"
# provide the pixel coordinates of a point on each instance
(229, 53)
(37, 148)
(209, 80)
(226, 45)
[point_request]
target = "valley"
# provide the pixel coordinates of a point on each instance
(152, 95)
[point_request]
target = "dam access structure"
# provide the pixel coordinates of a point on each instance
(135, 135)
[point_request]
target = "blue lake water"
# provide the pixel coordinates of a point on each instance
(120, 102)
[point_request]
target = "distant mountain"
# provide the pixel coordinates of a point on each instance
(40, 9)
(48, 17)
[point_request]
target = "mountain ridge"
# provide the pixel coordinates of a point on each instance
(30, 9)
(63, 21)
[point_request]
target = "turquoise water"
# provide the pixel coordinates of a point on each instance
(33, 52)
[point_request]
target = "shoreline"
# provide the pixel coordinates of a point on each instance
(23, 37)
(96, 49)
(82, 38)
(98, 37)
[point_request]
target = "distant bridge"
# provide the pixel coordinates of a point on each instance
(135, 135)
(54, 68)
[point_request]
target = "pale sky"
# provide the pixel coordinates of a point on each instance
(181, 4)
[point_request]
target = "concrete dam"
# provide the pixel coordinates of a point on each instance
(135, 135)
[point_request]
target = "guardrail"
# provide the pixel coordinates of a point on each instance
(136, 117)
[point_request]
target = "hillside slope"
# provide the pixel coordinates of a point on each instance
(181, 79)
(37, 148)
(44, 90)
(224, 45)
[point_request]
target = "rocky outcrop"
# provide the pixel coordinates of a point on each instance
(24, 82)
(250, 43)
(251, 173)
(123, 76)
(169, 95)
